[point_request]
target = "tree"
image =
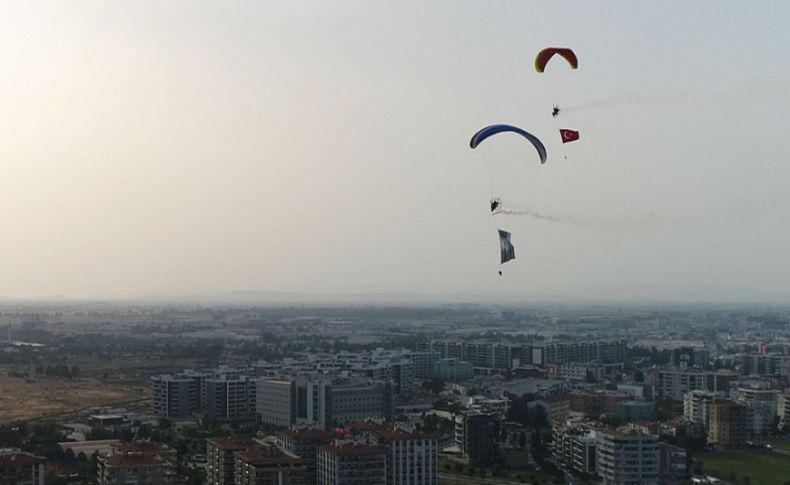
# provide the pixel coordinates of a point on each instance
(538, 418)
(434, 385)
(143, 432)
(519, 410)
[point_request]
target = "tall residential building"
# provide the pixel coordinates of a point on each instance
(143, 463)
(412, 458)
(400, 372)
(21, 468)
(627, 458)
(675, 382)
(221, 459)
(175, 396)
(690, 357)
(490, 355)
(334, 402)
(673, 462)
(268, 465)
(423, 364)
(727, 423)
(479, 435)
(357, 400)
(605, 352)
(696, 405)
(762, 406)
(582, 372)
(230, 398)
(574, 447)
(305, 442)
(762, 364)
(783, 409)
(225, 394)
(276, 402)
(351, 464)
(452, 369)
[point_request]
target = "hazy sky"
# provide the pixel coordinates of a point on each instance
(185, 147)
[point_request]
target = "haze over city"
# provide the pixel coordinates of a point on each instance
(321, 147)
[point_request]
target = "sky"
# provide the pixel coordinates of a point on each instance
(201, 147)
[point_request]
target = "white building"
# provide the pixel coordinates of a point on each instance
(351, 464)
(784, 409)
(276, 402)
(675, 382)
(696, 406)
(627, 458)
(412, 458)
(762, 408)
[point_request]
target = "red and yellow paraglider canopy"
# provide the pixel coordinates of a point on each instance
(546, 54)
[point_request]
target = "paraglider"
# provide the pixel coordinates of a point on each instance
(491, 130)
(546, 54)
(496, 202)
(555, 111)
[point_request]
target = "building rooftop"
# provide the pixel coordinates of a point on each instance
(347, 449)
(310, 434)
(268, 456)
(16, 458)
(131, 460)
(233, 443)
(103, 447)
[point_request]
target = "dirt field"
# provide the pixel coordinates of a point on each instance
(25, 400)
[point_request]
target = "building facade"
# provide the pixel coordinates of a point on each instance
(304, 443)
(727, 423)
(627, 458)
(20, 468)
(175, 396)
(267, 465)
(144, 463)
(351, 464)
(674, 382)
(276, 402)
(479, 436)
(221, 458)
(411, 458)
(452, 370)
(230, 398)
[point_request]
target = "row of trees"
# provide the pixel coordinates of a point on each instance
(58, 370)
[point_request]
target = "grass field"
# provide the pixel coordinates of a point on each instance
(782, 446)
(21, 399)
(762, 468)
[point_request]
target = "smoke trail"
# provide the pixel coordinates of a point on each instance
(745, 94)
(536, 215)
(646, 224)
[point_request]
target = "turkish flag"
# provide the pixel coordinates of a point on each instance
(569, 135)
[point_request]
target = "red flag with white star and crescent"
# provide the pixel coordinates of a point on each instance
(569, 135)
